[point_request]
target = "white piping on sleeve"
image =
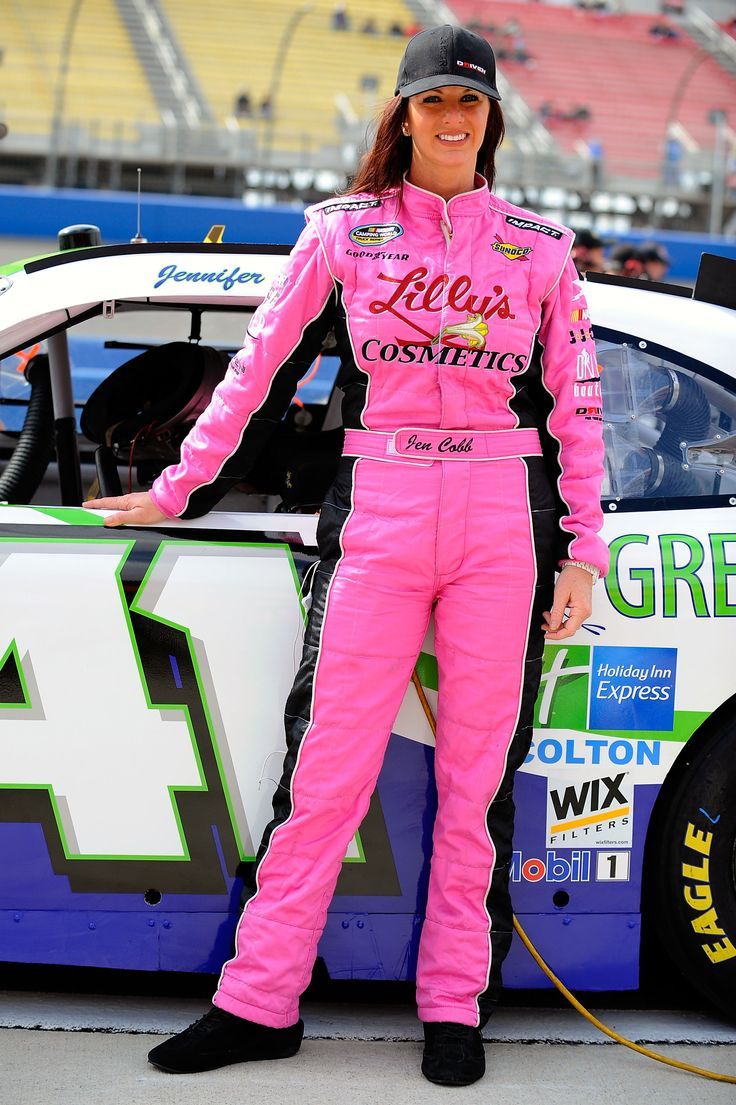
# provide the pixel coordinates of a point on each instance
(338, 284)
(256, 410)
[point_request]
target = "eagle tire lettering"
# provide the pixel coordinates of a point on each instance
(690, 878)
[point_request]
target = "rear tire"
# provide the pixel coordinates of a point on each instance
(690, 868)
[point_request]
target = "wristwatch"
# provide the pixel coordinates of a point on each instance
(582, 564)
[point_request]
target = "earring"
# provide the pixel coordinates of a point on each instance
(405, 130)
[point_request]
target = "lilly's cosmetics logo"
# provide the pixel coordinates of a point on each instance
(375, 235)
(414, 294)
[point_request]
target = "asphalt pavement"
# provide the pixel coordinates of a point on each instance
(65, 1049)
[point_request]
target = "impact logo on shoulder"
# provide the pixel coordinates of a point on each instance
(375, 235)
(530, 224)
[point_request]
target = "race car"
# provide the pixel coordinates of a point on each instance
(144, 671)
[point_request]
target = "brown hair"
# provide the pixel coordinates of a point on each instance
(383, 166)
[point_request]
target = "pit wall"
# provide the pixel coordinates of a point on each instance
(40, 213)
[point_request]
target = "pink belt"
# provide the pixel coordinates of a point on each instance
(419, 446)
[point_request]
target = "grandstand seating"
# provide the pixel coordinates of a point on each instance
(329, 82)
(106, 88)
(239, 52)
(630, 82)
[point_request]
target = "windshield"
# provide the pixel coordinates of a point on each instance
(669, 430)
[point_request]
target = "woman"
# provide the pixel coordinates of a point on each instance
(453, 313)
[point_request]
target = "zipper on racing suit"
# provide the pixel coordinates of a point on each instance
(446, 228)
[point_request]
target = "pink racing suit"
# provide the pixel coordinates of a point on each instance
(461, 325)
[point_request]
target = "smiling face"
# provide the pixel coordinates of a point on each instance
(447, 126)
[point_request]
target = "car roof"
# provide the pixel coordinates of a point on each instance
(701, 331)
(48, 294)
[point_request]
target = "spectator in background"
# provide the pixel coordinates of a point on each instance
(646, 261)
(595, 152)
(396, 29)
(487, 28)
(340, 18)
(369, 27)
(578, 114)
(730, 170)
(243, 108)
(672, 7)
(655, 261)
(672, 160)
(519, 51)
(587, 252)
(265, 109)
(662, 32)
(625, 261)
(509, 28)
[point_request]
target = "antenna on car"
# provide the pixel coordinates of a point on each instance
(138, 239)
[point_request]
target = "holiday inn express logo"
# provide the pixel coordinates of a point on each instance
(607, 687)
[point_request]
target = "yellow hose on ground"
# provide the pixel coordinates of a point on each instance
(610, 1032)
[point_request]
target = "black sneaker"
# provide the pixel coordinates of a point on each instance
(453, 1054)
(219, 1038)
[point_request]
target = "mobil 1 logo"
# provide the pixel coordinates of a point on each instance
(577, 865)
(612, 866)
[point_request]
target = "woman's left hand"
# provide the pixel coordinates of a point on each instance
(573, 593)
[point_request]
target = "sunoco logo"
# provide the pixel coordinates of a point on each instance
(594, 812)
(607, 688)
(376, 235)
(510, 251)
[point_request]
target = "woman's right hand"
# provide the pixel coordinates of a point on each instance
(137, 509)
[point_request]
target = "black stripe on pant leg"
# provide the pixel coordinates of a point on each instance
(500, 819)
(335, 512)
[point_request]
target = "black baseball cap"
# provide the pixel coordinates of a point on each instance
(653, 251)
(586, 239)
(447, 55)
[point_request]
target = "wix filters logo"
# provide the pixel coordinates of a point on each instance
(596, 812)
